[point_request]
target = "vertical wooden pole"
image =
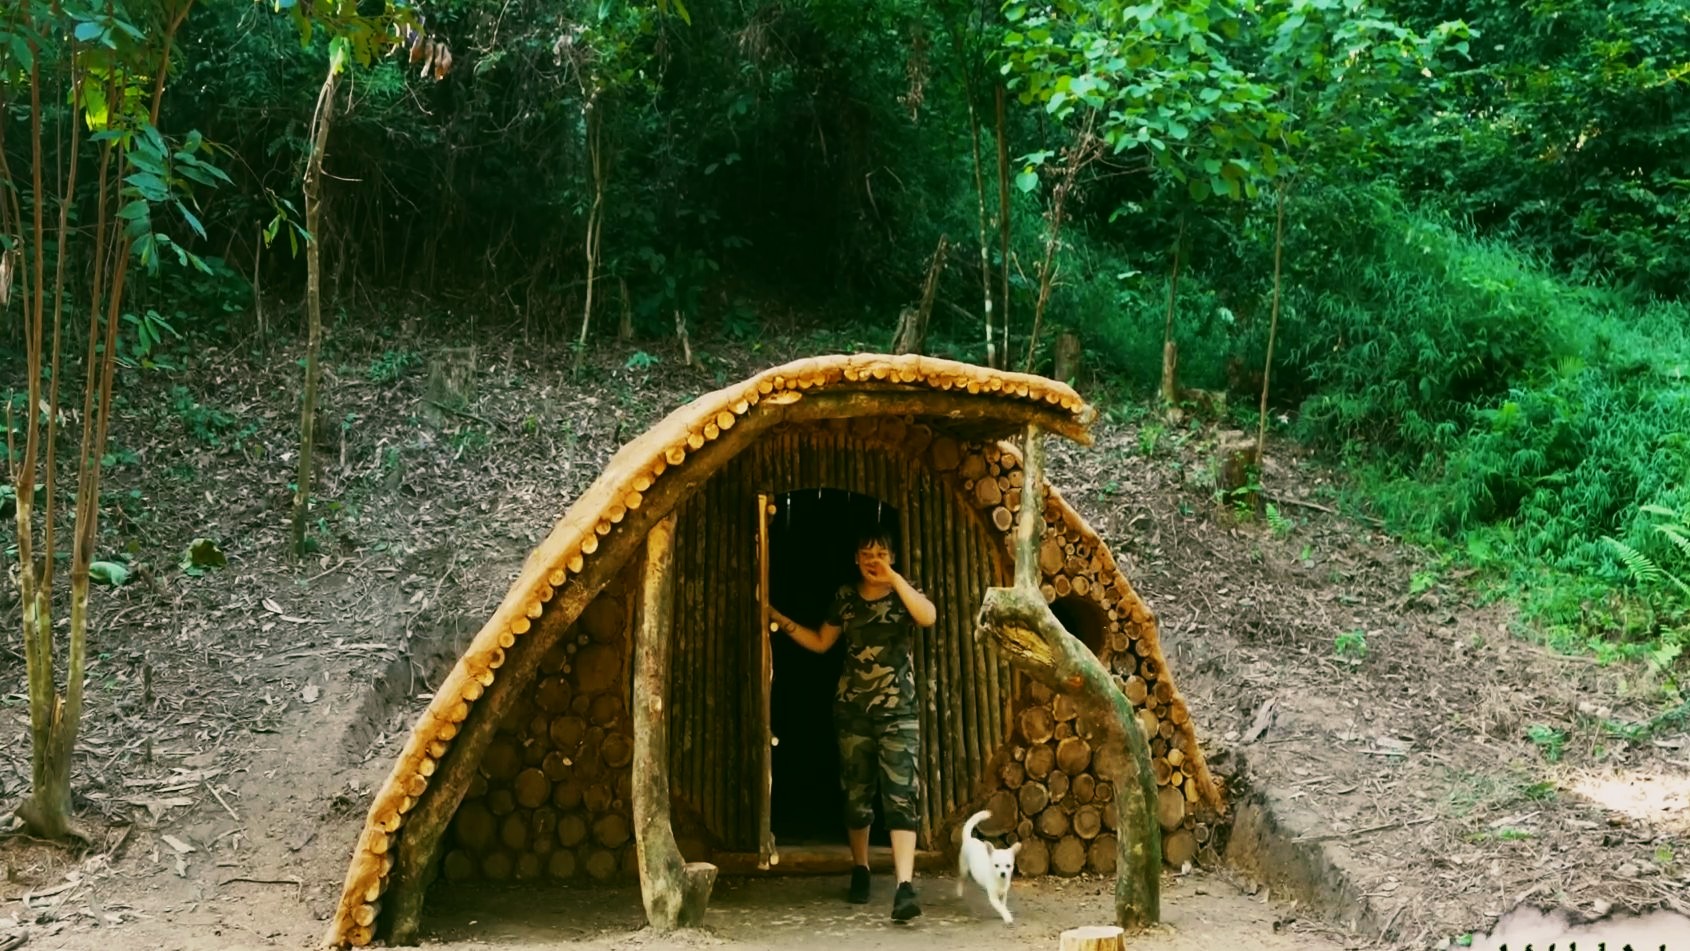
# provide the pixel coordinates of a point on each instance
(714, 764)
(955, 728)
(766, 854)
(981, 749)
(673, 891)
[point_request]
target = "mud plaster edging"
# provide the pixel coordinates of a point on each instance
(1263, 844)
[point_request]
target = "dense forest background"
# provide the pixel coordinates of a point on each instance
(1485, 212)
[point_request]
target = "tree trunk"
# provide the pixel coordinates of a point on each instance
(674, 891)
(1273, 322)
(992, 358)
(681, 335)
(1170, 350)
(595, 226)
(55, 719)
(1066, 365)
(625, 330)
(911, 336)
(1020, 621)
(1003, 215)
(1079, 154)
(314, 302)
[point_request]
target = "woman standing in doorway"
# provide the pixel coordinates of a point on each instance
(874, 709)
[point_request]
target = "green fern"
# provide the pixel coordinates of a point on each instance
(1646, 570)
(1641, 567)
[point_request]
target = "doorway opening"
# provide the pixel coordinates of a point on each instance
(812, 553)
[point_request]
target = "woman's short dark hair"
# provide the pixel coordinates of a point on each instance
(874, 535)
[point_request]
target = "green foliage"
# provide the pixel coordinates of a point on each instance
(145, 348)
(1550, 741)
(1674, 528)
(202, 555)
(1569, 131)
(206, 424)
(1350, 644)
(1156, 77)
(392, 364)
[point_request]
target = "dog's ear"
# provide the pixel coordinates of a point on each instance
(1015, 848)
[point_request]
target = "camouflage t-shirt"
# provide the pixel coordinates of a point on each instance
(879, 675)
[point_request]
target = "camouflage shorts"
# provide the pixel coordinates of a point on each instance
(885, 753)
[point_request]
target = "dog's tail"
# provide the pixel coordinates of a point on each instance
(974, 820)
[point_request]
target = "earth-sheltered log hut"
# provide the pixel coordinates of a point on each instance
(521, 767)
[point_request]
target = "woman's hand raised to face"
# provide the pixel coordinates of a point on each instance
(878, 572)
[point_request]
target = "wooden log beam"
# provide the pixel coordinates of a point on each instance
(666, 885)
(1020, 621)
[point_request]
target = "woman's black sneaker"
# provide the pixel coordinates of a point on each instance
(859, 886)
(904, 905)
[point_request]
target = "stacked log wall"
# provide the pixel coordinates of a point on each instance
(1047, 786)
(553, 796)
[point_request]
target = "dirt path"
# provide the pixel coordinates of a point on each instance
(246, 714)
(1200, 912)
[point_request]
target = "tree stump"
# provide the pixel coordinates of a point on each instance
(1067, 358)
(911, 335)
(451, 382)
(1096, 938)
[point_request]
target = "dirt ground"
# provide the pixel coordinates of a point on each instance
(238, 720)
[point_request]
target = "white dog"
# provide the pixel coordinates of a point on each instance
(988, 865)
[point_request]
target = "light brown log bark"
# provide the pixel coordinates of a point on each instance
(1040, 761)
(674, 892)
(1032, 798)
(533, 789)
(1170, 808)
(1012, 775)
(1034, 857)
(1052, 823)
(1073, 755)
(1068, 856)
(1037, 724)
(1088, 822)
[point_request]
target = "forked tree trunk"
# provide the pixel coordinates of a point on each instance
(1021, 623)
(1079, 155)
(675, 893)
(313, 303)
(911, 335)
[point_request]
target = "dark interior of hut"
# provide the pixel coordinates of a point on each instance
(812, 541)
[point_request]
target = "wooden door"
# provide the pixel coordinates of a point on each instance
(764, 758)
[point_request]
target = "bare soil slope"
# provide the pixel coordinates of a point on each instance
(239, 717)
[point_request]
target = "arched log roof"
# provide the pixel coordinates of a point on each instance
(606, 525)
